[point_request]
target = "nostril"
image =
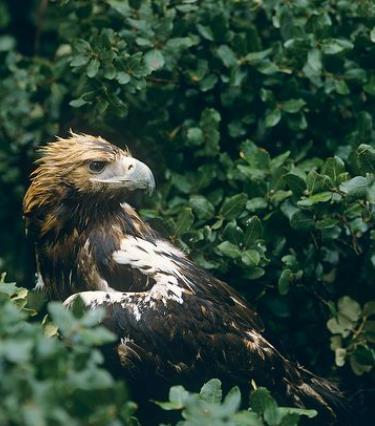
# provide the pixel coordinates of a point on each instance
(130, 167)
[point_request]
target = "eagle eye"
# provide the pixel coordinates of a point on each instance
(96, 166)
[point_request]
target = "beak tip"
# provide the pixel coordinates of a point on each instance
(138, 175)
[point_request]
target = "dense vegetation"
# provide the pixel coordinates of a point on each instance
(257, 119)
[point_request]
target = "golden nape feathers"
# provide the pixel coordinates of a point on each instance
(62, 163)
(64, 152)
(82, 170)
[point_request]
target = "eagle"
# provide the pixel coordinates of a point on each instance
(175, 322)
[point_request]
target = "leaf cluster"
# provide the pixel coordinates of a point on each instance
(208, 407)
(48, 379)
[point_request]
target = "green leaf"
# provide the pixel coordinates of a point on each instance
(8, 288)
(369, 88)
(267, 67)
(7, 43)
(79, 60)
(272, 117)
(317, 182)
(372, 35)
(349, 307)
(313, 66)
(263, 404)
(247, 418)
(154, 60)
(110, 74)
(209, 82)
(364, 126)
(178, 397)
(123, 77)
(211, 391)
(299, 411)
(334, 167)
(321, 197)
(250, 258)
(280, 195)
(280, 160)
(362, 360)
(195, 136)
(233, 207)
(340, 357)
(341, 87)
(335, 45)
(364, 355)
(205, 32)
(302, 221)
(229, 249)
(314, 60)
(254, 58)
(369, 308)
(233, 233)
(17, 351)
(202, 208)
(295, 182)
(293, 105)
(184, 221)
(232, 401)
(253, 231)
(284, 282)
(209, 123)
(254, 273)
(76, 103)
(256, 203)
(356, 187)
(365, 156)
(226, 54)
(340, 325)
(92, 68)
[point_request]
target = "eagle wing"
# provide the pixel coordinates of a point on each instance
(185, 341)
(186, 326)
(140, 264)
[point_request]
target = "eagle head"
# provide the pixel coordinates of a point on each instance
(83, 173)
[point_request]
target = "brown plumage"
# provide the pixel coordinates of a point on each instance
(176, 323)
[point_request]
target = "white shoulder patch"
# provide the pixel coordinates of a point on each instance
(166, 247)
(93, 299)
(149, 257)
(156, 260)
(90, 298)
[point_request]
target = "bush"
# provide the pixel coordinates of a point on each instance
(209, 408)
(43, 382)
(257, 120)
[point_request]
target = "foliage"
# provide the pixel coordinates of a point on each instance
(209, 408)
(46, 380)
(353, 328)
(257, 118)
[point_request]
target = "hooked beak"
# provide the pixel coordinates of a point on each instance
(129, 173)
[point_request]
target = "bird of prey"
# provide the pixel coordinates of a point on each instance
(175, 322)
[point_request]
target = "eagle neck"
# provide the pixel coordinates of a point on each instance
(76, 254)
